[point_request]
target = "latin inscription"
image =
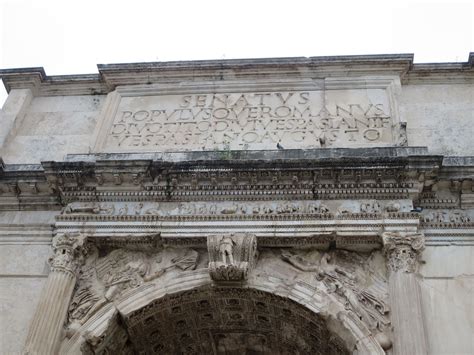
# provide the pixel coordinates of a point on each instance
(301, 119)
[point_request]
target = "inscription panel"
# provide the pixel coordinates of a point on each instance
(250, 120)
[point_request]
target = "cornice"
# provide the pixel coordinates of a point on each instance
(321, 174)
(110, 76)
(441, 73)
(458, 168)
(251, 69)
(35, 79)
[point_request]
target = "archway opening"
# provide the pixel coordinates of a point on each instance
(229, 321)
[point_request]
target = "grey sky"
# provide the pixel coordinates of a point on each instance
(71, 37)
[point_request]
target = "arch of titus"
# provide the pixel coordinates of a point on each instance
(318, 205)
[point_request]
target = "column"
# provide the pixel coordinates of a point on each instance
(403, 251)
(46, 328)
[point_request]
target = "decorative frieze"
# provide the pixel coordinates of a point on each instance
(447, 219)
(249, 209)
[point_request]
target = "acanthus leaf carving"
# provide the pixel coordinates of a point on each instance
(69, 251)
(403, 250)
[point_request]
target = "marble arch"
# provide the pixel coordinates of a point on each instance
(342, 184)
(327, 329)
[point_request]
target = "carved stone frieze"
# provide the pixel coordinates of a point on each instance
(69, 251)
(89, 208)
(221, 209)
(447, 218)
(403, 250)
(231, 256)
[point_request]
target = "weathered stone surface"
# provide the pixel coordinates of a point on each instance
(448, 312)
(223, 120)
(446, 289)
(20, 297)
(427, 109)
(290, 205)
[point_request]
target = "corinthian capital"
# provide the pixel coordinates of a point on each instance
(69, 251)
(403, 250)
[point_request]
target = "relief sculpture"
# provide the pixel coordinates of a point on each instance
(350, 278)
(89, 293)
(104, 279)
(90, 208)
(231, 256)
(240, 210)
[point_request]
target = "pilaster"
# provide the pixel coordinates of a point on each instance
(403, 251)
(47, 325)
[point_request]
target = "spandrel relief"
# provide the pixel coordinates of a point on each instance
(106, 278)
(357, 281)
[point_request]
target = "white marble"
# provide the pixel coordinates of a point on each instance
(235, 120)
(12, 113)
(283, 104)
(18, 300)
(440, 117)
(58, 125)
(51, 128)
(447, 290)
(448, 262)
(448, 310)
(24, 260)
